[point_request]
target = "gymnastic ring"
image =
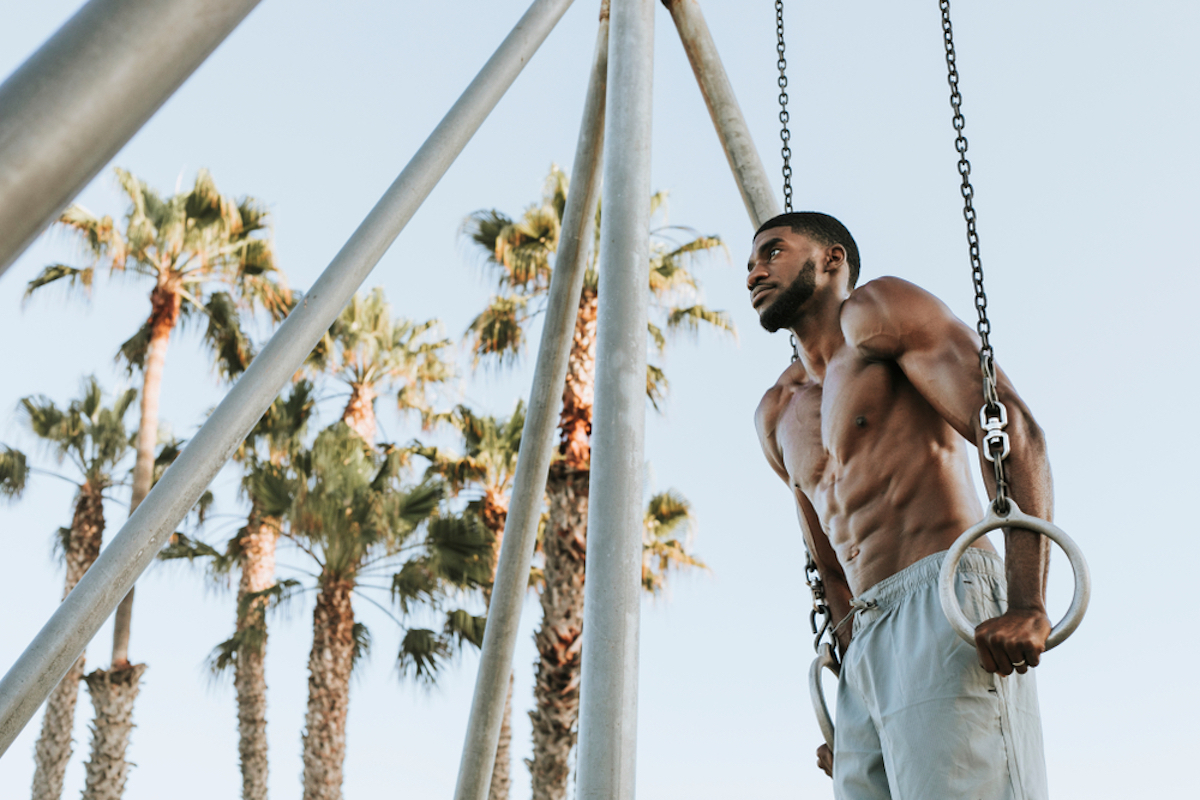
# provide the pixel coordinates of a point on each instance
(1015, 519)
(825, 659)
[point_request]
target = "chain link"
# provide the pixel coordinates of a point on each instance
(784, 134)
(820, 608)
(993, 416)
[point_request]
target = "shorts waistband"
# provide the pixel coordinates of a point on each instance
(925, 572)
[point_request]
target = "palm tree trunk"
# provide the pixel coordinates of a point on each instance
(53, 749)
(112, 694)
(329, 664)
(359, 413)
(164, 313)
(493, 510)
(560, 638)
(502, 771)
(579, 392)
(257, 545)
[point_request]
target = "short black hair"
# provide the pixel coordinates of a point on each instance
(824, 229)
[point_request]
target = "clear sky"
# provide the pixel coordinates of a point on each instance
(1083, 123)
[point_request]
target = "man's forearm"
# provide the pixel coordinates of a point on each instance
(1026, 554)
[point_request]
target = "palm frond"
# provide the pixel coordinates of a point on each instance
(499, 332)
(133, 350)
(657, 337)
(184, 546)
(691, 318)
(224, 656)
(462, 626)
(666, 534)
(75, 277)
(14, 470)
(461, 549)
(278, 595)
(224, 335)
(415, 582)
(656, 385)
(418, 503)
(362, 644)
(62, 542)
(423, 653)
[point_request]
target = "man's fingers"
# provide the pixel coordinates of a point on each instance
(985, 654)
(825, 759)
(1017, 658)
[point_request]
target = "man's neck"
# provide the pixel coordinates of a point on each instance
(818, 329)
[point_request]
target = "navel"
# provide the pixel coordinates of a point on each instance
(860, 422)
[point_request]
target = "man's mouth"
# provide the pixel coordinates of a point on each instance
(757, 294)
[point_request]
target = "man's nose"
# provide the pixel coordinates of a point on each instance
(757, 273)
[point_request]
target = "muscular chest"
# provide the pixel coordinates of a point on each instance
(826, 426)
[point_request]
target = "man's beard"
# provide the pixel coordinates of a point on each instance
(783, 310)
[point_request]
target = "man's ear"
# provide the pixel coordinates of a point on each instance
(835, 257)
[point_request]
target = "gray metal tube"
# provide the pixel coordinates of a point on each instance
(80, 615)
(739, 148)
(537, 442)
(608, 694)
(74, 103)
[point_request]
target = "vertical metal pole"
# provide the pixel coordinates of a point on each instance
(81, 613)
(608, 695)
(739, 148)
(537, 441)
(74, 103)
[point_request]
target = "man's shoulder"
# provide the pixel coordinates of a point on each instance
(884, 293)
(880, 313)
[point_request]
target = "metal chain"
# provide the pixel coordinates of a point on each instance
(784, 133)
(993, 416)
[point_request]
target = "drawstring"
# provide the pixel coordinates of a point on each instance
(856, 606)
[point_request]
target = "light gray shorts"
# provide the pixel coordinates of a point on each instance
(918, 718)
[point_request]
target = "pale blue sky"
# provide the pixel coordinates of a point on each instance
(1082, 118)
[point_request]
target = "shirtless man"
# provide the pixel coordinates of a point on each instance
(870, 427)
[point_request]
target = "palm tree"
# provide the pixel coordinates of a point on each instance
(371, 352)
(487, 467)
(191, 246)
(92, 438)
(346, 508)
(521, 252)
(271, 446)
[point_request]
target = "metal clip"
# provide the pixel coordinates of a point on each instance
(995, 441)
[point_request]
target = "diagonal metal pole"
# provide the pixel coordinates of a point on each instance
(74, 103)
(80, 615)
(608, 692)
(537, 441)
(723, 107)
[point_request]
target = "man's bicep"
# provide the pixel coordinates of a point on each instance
(942, 363)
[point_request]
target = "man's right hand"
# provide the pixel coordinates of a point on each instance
(825, 759)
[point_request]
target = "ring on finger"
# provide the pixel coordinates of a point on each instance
(1020, 663)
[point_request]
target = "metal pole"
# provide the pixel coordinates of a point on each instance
(608, 693)
(80, 615)
(537, 441)
(723, 107)
(74, 103)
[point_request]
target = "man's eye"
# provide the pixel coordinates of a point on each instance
(774, 250)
